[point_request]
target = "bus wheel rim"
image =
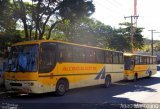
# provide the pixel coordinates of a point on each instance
(61, 87)
(107, 82)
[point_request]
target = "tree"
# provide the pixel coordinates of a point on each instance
(118, 41)
(7, 19)
(43, 15)
(138, 41)
(92, 32)
(7, 39)
(125, 31)
(85, 31)
(8, 33)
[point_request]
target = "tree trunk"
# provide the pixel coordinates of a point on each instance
(51, 28)
(36, 35)
(26, 30)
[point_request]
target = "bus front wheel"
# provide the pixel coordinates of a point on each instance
(107, 81)
(61, 87)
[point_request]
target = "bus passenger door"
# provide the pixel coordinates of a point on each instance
(129, 63)
(132, 64)
(47, 63)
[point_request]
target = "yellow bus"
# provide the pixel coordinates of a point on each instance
(139, 66)
(56, 66)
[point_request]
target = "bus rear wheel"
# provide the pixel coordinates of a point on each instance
(150, 74)
(135, 78)
(107, 81)
(61, 87)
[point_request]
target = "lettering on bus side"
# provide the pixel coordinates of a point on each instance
(78, 68)
(101, 74)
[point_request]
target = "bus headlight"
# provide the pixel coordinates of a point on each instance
(30, 84)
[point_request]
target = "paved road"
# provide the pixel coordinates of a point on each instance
(120, 95)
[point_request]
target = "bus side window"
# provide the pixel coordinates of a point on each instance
(148, 60)
(108, 57)
(151, 61)
(121, 59)
(154, 60)
(115, 58)
(48, 57)
(90, 55)
(78, 54)
(132, 64)
(65, 53)
(137, 60)
(100, 56)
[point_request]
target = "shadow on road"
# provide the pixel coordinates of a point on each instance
(90, 96)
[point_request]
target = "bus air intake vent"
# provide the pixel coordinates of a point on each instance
(15, 84)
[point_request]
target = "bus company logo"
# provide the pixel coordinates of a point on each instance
(101, 74)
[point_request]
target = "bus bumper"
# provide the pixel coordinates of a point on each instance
(27, 87)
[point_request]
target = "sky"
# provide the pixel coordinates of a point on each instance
(112, 12)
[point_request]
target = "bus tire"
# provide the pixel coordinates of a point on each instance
(135, 77)
(61, 87)
(150, 74)
(107, 82)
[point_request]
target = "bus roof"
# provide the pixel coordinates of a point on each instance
(132, 54)
(40, 41)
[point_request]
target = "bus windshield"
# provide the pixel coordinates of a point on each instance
(23, 58)
(127, 61)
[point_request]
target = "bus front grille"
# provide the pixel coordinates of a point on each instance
(16, 84)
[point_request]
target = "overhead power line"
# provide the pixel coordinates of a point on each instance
(111, 8)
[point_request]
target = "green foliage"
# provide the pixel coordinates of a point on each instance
(7, 39)
(125, 31)
(138, 39)
(75, 9)
(84, 31)
(118, 41)
(7, 18)
(92, 32)
(42, 16)
(62, 20)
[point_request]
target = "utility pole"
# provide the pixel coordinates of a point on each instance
(135, 11)
(132, 31)
(152, 40)
(135, 7)
(134, 17)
